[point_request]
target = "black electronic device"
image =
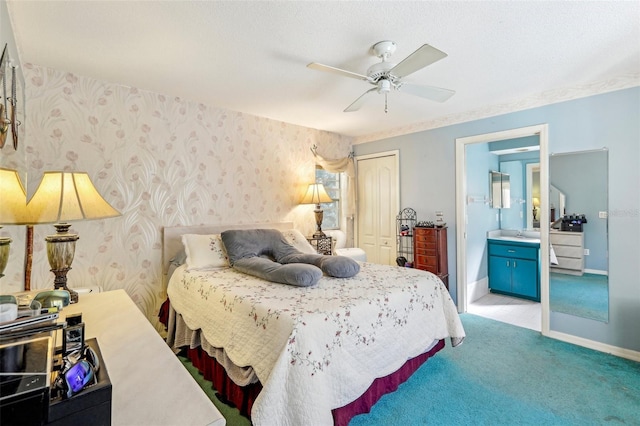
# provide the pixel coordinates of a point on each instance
(72, 338)
(425, 224)
(572, 222)
(73, 319)
(91, 403)
(25, 372)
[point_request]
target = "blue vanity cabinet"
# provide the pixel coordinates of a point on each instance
(514, 269)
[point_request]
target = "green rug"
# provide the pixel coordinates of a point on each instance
(584, 296)
(505, 375)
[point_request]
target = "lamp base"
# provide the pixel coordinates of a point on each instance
(319, 215)
(61, 248)
(73, 295)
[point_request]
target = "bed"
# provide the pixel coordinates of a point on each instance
(311, 354)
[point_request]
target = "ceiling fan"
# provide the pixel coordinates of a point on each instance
(387, 76)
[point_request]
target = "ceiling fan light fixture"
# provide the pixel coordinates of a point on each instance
(384, 86)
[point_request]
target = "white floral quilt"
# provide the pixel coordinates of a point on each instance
(316, 348)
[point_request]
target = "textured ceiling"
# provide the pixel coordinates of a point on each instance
(252, 56)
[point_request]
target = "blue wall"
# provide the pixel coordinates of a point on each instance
(427, 180)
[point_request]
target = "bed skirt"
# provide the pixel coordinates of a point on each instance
(242, 397)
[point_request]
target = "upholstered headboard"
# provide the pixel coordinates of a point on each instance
(172, 238)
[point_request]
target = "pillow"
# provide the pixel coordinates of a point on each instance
(296, 239)
(204, 252)
(250, 252)
(296, 274)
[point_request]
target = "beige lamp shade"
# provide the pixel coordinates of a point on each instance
(316, 194)
(13, 199)
(68, 196)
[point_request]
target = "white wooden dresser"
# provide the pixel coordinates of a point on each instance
(569, 249)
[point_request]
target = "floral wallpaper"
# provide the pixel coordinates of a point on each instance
(161, 161)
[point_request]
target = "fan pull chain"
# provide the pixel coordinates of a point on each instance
(385, 104)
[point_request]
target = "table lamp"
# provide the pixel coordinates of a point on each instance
(13, 209)
(316, 194)
(60, 198)
(536, 207)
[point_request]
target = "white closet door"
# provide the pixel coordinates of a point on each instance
(377, 207)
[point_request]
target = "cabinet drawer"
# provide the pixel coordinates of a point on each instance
(568, 251)
(513, 251)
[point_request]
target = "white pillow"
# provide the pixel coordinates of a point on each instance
(204, 252)
(296, 239)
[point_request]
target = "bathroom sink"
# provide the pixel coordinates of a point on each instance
(518, 239)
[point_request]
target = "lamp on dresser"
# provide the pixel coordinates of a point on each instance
(60, 198)
(316, 194)
(13, 209)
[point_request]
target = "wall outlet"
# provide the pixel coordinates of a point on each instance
(602, 215)
(586, 252)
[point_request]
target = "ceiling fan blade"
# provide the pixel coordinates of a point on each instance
(358, 102)
(425, 55)
(428, 92)
(345, 73)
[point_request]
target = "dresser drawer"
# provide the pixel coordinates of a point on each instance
(424, 237)
(426, 252)
(426, 261)
(568, 251)
(569, 263)
(513, 251)
(566, 238)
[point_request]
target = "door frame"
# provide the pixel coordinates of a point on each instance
(393, 153)
(542, 131)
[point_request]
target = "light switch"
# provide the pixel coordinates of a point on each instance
(602, 215)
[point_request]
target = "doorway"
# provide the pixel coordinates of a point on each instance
(378, 203)
(462, 218)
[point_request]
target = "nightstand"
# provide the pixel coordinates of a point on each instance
(321, 244)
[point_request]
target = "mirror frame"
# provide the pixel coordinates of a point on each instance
(596, 231)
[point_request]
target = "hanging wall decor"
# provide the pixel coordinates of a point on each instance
(14, 107)
(4, 121)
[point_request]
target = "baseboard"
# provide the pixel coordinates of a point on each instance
(477, 289)
(595, 272)
(597, 346)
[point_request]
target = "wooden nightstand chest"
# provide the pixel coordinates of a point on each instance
(430, 251)
(321, 244)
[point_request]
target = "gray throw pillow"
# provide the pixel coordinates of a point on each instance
(250, 251)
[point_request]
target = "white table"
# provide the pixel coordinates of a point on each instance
(150, 384)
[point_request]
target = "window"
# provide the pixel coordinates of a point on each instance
(331, 182)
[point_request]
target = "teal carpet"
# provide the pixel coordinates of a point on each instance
(507, 375)
(585, 296)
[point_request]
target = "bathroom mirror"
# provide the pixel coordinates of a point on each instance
(500, 190)
(579, 266)
(557, 203)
